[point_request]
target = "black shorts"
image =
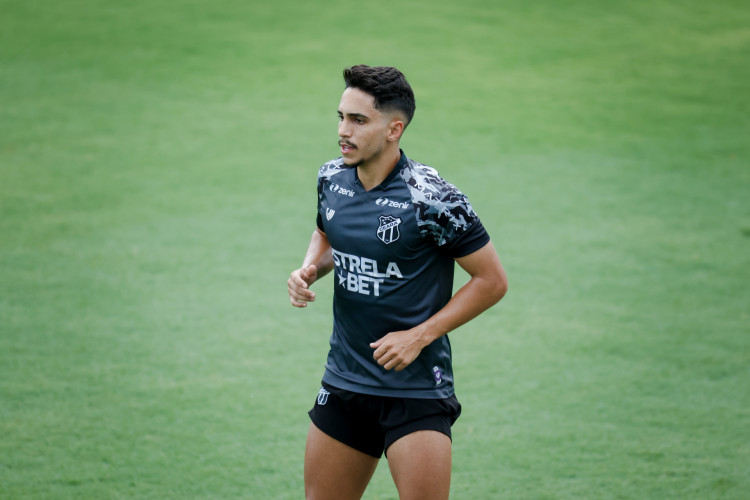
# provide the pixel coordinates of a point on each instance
(371, 424)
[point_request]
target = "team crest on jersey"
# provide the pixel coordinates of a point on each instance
(388, 229)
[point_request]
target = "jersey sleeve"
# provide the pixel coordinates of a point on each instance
(444, 214)
(324, 174)
(468, 242)
(318, 218)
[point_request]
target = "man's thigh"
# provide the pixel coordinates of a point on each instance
(420, 464)
(333, 470)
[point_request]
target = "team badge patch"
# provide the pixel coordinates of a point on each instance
(388, 229)
(323, 396)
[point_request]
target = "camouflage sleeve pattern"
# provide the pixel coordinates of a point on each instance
(327, 171)
(443, 212)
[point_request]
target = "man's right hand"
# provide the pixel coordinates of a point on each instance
(299, 285)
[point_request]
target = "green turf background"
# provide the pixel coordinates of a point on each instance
(157, 186)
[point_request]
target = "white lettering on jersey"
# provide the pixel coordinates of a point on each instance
(361, 274)
(385, 202)
(360, 284)
(341, 190)
(393, 270)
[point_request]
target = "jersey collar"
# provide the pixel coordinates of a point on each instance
(392, 175)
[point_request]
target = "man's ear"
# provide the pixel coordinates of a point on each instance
(395, 129)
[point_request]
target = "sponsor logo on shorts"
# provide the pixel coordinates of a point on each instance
(323, 396)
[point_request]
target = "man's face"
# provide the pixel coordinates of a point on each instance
(362, 128)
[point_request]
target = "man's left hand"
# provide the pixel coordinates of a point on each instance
(397, 349)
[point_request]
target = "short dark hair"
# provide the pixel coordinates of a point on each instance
(387, 85)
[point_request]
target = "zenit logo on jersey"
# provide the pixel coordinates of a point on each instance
(342, 190)
(385, 202)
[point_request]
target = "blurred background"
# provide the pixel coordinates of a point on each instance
(157, 186)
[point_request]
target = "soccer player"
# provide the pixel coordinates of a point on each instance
(391, 230)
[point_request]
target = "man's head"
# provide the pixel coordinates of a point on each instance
(376, 107)
(387, 85)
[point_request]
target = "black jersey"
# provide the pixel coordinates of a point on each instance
(393, 250)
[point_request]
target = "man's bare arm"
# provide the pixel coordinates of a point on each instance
(487, 285)
(317, 263)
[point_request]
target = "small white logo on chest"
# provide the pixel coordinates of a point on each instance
(329, 213)
(385, 202)
(342, 190)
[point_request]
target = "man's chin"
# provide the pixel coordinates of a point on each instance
(352, 164)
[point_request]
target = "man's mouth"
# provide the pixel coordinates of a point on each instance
(347, 147)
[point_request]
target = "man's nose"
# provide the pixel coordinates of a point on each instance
(344, 130)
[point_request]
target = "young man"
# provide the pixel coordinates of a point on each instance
(390, 229)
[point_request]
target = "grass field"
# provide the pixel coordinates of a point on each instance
(157, 186)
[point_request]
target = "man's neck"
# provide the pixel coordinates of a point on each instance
(374, 172)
